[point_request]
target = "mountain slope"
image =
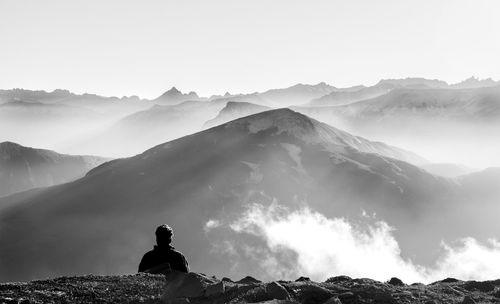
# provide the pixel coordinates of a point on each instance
(234, 110)
(31, 122)
(295, 95)
(112, 106)
(481, 103)
(144, 129)
(23, 168)
(345, 97)
(445, 125)
(102, 223)
(383, 87)
(473, 83)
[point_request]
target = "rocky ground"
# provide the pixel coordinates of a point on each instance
(197, 288)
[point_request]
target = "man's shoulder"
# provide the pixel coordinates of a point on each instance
(149, 253)
(176, 252)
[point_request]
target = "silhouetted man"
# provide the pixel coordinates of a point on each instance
(163, 257)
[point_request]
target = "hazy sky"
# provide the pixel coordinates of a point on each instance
(119, 47)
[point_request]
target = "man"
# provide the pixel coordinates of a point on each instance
(163, 257)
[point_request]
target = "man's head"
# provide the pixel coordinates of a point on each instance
(164, 235)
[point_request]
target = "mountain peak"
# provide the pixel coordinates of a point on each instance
(174, 96)
(8, 148)
(173, 91)
(284, 120)
(9, 144)
(311, 131)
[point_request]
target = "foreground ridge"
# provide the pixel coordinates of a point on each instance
(198, 288)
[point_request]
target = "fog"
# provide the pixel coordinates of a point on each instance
(473, 145)
(326, 247)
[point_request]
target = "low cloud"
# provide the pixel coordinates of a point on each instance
(325, 246)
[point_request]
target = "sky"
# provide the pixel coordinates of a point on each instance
(124, 47)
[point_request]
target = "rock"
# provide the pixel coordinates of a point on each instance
(276, 291)
(365, 281)
(249, 280)
(346, 295)
(185, 285)
(481, 286)
(333, 300)
(311, 293)
(337, 279)
(277, 302)
(303, 279)
(468, 300)
(225, 279)
(396, 282)
(215, 290)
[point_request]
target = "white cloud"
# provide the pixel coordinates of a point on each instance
(211, 224)
(326, 247)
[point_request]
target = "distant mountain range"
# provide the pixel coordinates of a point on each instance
(23, 168)
(340, 97)
(121, 127)
(103, 222)
(445, 104)
(294, 95)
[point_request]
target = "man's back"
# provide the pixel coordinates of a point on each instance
(161, 255)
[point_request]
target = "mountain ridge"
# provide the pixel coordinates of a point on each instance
(23, 168)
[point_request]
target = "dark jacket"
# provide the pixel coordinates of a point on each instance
(161, 255)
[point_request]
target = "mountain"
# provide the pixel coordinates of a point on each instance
(253, 98)
(112, 106)
(104, 222)
(277, 98)
(474, 83)
(234, 110)
(139, 131)
(295, 95)
(414, 83)
(60, 119)
(23, 168)
(39, 124)
(483, 103)
(174, 96)
(445, 125)
(20, 107)
(419, 108)
(33, 96)
(345, 97)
